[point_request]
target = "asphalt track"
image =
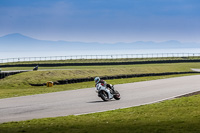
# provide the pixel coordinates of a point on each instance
(85, 101)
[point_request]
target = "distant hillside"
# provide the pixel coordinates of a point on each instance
(19, 42)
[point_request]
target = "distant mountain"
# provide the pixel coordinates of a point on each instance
(16, 42)
(16, 37)
(19, 42)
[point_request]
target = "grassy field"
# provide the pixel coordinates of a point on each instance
(180, 115)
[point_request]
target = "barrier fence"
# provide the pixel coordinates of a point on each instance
(114, 56)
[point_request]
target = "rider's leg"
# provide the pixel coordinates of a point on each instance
(110, 88)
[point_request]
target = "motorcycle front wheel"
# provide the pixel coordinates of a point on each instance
(104, 95)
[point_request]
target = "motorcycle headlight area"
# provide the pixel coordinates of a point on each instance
(96, 90)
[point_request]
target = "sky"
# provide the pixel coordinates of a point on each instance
(104, 21)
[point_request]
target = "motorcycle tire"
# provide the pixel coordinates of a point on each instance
(116, 95)
(104, 95)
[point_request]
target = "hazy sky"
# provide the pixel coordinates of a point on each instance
(102, 20)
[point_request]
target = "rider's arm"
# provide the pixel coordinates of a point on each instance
(102, 82)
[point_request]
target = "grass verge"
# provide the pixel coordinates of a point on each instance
(92, 71)
(180, 115)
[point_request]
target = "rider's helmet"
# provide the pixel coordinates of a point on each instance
(96, 80)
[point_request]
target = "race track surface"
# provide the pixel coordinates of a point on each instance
(86, 100)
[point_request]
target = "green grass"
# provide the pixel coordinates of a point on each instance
(171, 116)
(23, 79)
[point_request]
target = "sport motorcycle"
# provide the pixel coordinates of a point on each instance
(107, 93)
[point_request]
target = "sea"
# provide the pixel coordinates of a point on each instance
(22, 54)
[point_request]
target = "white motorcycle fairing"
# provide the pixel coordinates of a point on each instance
(99, 88)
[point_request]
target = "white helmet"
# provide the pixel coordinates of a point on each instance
(96, 80)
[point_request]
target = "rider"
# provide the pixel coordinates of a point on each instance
(97, 80)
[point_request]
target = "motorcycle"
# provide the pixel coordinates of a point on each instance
(107, 94)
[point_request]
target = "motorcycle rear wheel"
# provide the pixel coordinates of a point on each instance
(116, 95)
